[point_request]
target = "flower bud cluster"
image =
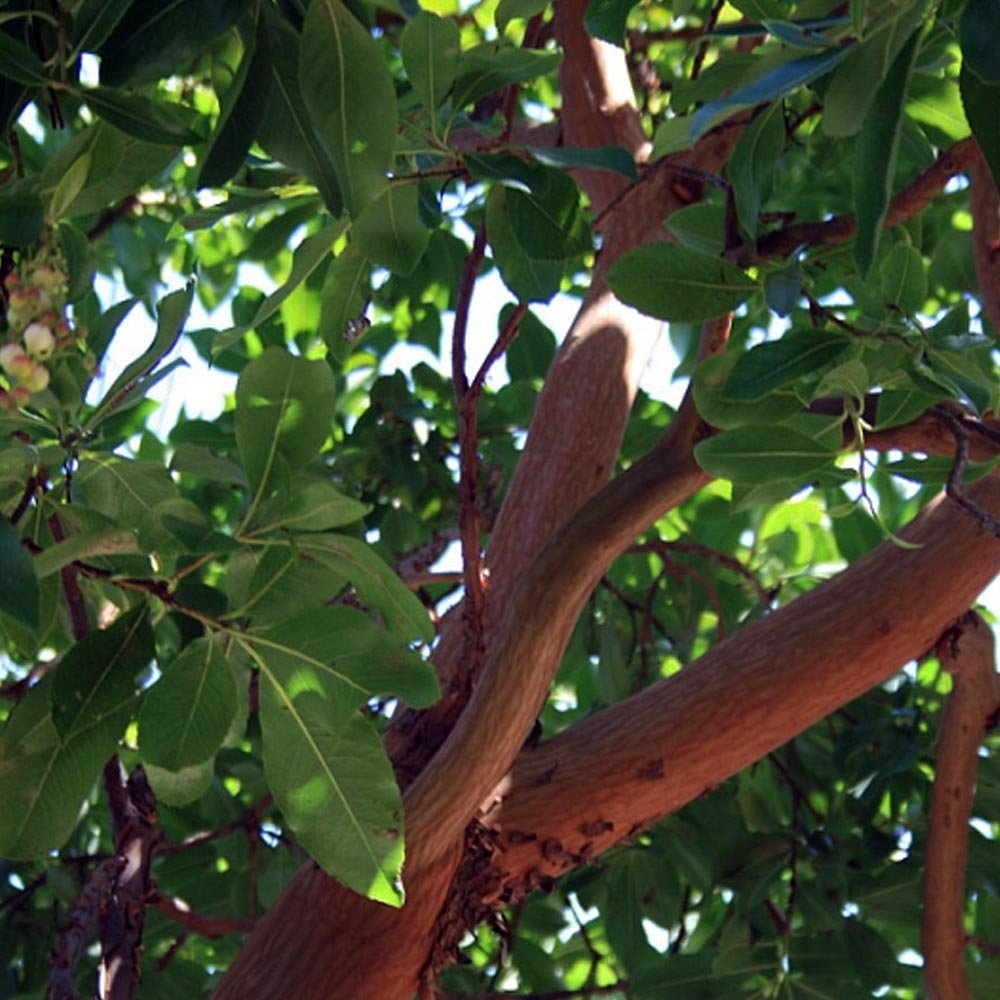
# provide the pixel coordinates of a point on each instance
(36, 328)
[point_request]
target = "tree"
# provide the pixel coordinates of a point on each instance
(710, 683)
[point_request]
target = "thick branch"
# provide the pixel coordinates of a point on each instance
(610, 775)
(968, 653)
(985, 205)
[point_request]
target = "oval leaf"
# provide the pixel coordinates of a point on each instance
(762, 454)
(678, 284)
(350, 97)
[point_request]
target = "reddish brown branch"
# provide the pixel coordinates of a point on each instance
(985, 205)
(74, 937)
(247, 821)
(967, 652)
(904, 205)
(136, 835)
(206, 924)
(621, 769)
(468, 452)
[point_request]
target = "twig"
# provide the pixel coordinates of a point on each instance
(953, 487)
(248, 820)
(468, 516)
(205, 924)
(710, 22)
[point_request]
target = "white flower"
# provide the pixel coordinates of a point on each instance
(39, 341)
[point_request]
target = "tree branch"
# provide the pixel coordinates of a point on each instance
(622, 769)
(904, 205)
(967, 652)
(985, 205)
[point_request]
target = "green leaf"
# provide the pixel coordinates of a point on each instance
(349, 93)
(488, 67)
(171, 315)
(80, 260)
(21, 213)
(97, 680)
(124, 490)
(980, 101)
(762, 454)
(356, 659)
(343, 299)
(142, 117)
(287, 131)
(18, 582)
(615, 159)
(69, 187)
(783, 288)
(389, 231)
(700, 227)
(44, 780)
(83, 545)
(330, 775)
(94, 20)
(430, 47)
(19, 62)
(313, 251)
(185, 716)
(285, 582)
(904, 278)
(772, 84)
(549, 223)
(243, 107)
(155, 39)
(899, 406)
(529, 278)
(678, 284)
(517, 10)
(778, 363)
(876, 150)
(181, 787)
(605, 19)
(313, 505)
(751, 167)
(978, 30)
(854, 85)
(284, 409)
(120, 164)
(377, 585)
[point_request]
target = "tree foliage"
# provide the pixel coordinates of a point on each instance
(690, 683)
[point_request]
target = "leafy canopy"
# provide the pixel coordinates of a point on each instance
(256, 635)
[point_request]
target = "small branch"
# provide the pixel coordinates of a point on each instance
(967, 652)
(110, 216)
(904, 205)
(248, 820)
(468, 445)
(710, 23)
(73, 938)
(954, 487)
(621, 987)
(136, 835)
(205, 924)
(72, 595)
